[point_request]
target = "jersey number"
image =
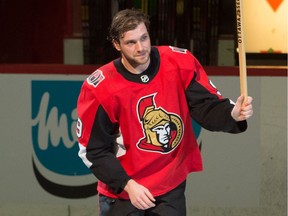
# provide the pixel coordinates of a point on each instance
(79, 128)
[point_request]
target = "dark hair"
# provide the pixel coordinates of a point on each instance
(126, 20)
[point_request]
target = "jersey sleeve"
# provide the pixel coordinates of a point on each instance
(96, 135)
(207, 106)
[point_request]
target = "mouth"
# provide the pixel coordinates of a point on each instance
(141, 55)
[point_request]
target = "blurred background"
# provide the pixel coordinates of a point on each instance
(75, 31)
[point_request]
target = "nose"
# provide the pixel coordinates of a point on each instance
(139, 46)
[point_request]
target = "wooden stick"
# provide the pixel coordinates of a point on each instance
(241, 49)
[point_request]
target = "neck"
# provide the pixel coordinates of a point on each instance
(137, 69)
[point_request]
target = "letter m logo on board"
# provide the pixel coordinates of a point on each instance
(55, 148)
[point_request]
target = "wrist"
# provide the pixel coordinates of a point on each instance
(124, 184)
(128, 184)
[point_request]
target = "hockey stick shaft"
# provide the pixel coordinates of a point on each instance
(241, 49)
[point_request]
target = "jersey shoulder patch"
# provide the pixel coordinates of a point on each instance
(95, 78)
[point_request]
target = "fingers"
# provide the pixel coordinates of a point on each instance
(150, 196)
(145, 201)
(243, 109)
(140, 196)
(246, 109)
(247, 112)
(143, 205)
(248, 101)
(244, 102)
(244, 115)
(239, 101)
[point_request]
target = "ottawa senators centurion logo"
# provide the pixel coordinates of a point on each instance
(163, 131)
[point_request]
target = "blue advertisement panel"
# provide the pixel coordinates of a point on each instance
(54, 117)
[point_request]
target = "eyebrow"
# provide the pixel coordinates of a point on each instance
(134, 40)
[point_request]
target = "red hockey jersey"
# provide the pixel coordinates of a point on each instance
(139, 126)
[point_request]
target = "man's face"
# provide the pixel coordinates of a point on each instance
(135, 47)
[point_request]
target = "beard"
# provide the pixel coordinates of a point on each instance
(139, 60)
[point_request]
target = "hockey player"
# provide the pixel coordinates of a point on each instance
(134, 127)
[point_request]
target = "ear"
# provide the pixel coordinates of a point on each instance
(116, 45)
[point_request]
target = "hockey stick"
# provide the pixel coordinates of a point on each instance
(241, 49)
